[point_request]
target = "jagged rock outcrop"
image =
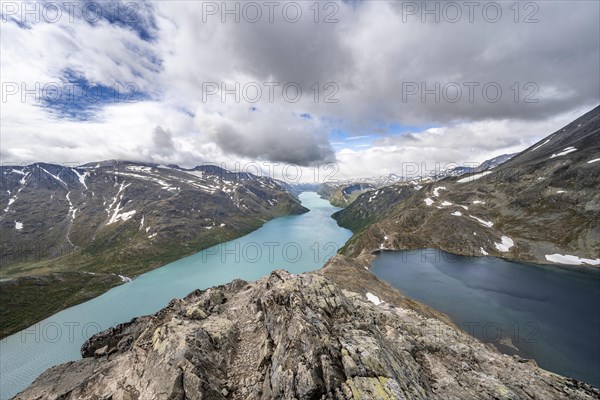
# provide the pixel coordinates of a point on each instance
(297, 337)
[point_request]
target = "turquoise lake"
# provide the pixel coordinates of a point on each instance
(296, 243)
(550, 313)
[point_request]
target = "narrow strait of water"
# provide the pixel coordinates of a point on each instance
(551, 313)
(297, 243)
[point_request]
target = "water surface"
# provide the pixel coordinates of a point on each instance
(297, 243)
(550, 313)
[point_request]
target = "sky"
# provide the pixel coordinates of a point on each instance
(350, 89)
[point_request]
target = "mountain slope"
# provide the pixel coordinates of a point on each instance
(371, 206)
(540, 206)
(116, 218)
(494, 162)
(296, 336)
(341, 195)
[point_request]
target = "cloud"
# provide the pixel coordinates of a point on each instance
(435, 149)
(269, 135)
(367, 61)
(163, 142)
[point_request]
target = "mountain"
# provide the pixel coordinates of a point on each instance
(494, 162)
(343, 193)
(337, 334)
(73, 232)
(541, 206)
(340, 195)
(369, 207)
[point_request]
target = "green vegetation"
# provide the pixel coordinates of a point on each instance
(30, 299)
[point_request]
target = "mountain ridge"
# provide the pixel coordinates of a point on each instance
(540, 206)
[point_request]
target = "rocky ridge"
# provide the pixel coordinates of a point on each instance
(297, 337)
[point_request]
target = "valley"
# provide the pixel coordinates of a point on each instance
(314, 200)
(478, 214)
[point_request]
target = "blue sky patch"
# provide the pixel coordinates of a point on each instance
(76, 98)
(136, 16)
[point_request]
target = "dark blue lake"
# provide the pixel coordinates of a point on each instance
(550, 313)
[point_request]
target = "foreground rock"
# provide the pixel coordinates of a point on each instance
(297, 336)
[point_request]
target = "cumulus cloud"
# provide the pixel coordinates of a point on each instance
(376, 65)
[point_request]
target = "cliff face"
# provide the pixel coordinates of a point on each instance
(297, 336)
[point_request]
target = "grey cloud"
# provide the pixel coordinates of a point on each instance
(369, 53)
(163, 142)
(294, 147)
(303, 52)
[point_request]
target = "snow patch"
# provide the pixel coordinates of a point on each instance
(485, 253)
(116, 215)
(138, 168)
(55, 177)
(566, 150)
(373, 299)
(123, 216)
(561, 191)
(446, 203)
(506, 244)
(474, 177)
(124, 278)
(81, 177)
(593, 161)
(15, 197)
(456, 213)
(18, 225)
(483, 222)
(428, 201)
(537, 147)
(572, 260)
(162, 183)
(478, 202)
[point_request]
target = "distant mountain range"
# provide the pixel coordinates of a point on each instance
(81, 227)
(542, 206)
